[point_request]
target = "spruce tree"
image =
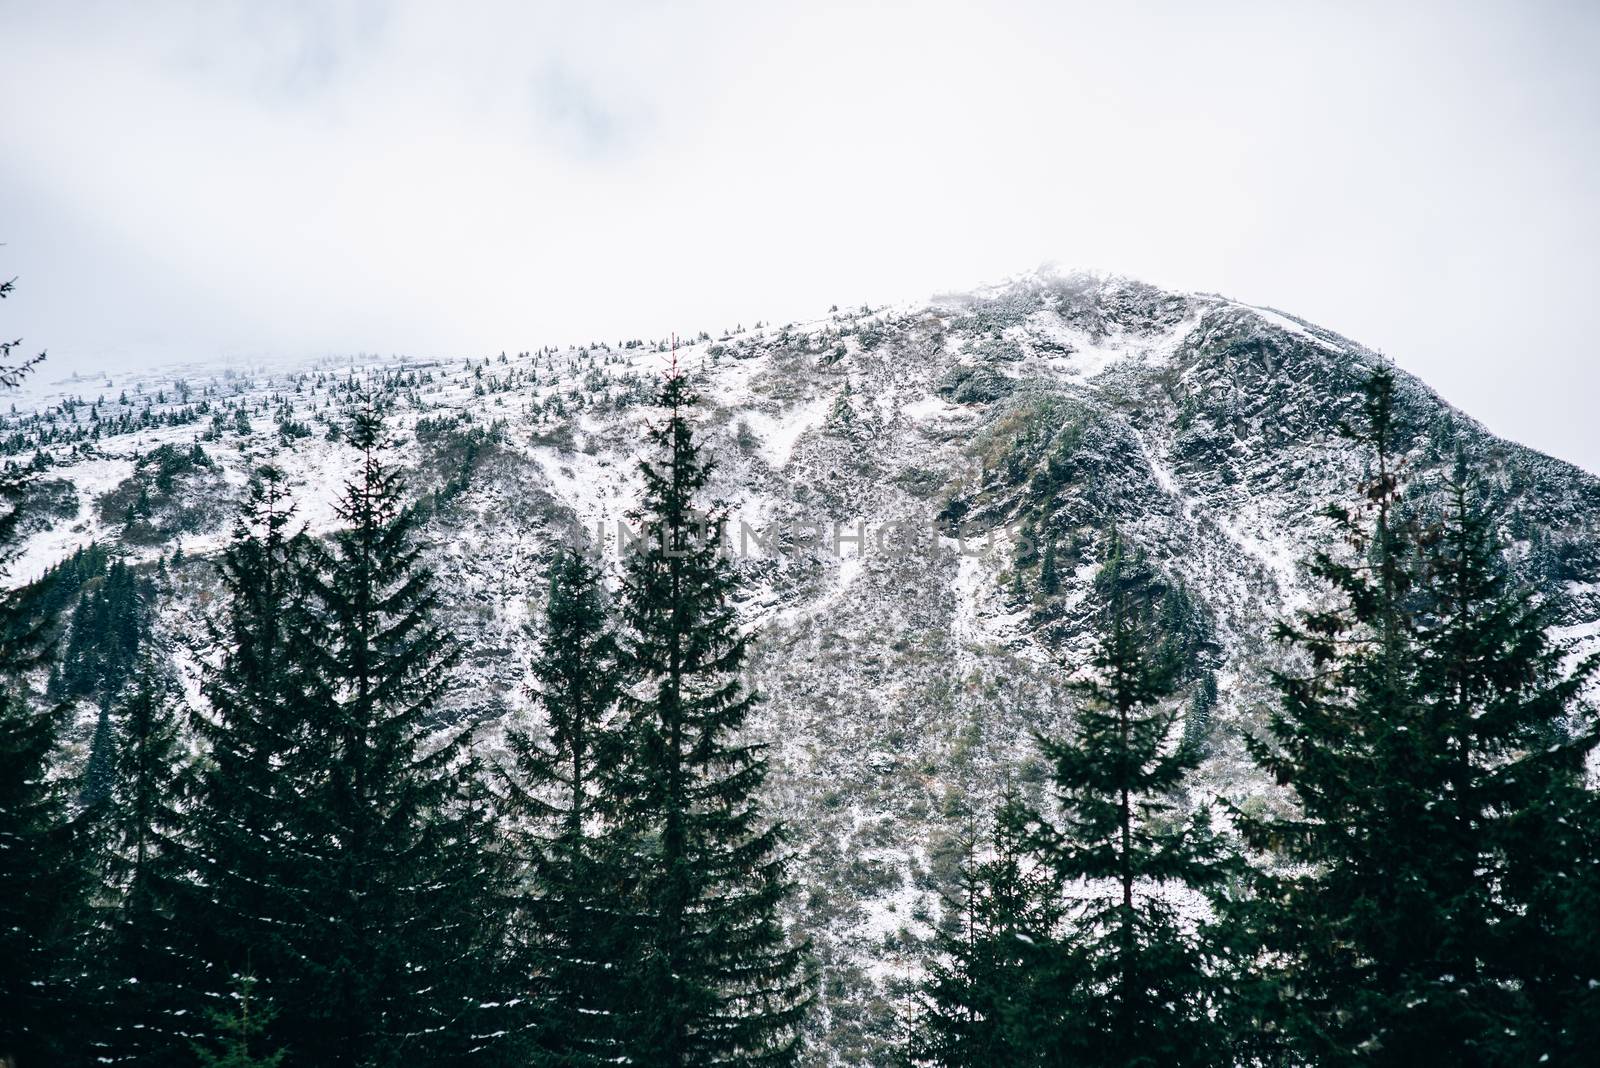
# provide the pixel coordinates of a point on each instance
(250, 859)
(238, 1033)
(1132, 979)
(1506, 751)
(1428, 745)
(139, 965)
(1202, 703)
(95, 785)
(402, 903)
(41, 847)
(107, 632)
(1049, 578)
(1349, 742)
(574, 907)
(718, 980)
(986, 999)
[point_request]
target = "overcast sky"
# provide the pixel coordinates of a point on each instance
(220, 180)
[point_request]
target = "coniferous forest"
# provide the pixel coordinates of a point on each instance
(298, 866)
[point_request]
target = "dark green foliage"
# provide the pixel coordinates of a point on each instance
(401, 898)
(41, 849)
(1555, 944)
(1345, 740)
(105, 636)
(250, 855)
(575, 906)
(1049, 578)
(1183, 633)
(1166, 614)
(291, 429)
(1197, 721)
(49, 500)
(239, 1032)
(717, 980)
(42, 852)
(99, 768)
(140, 961)
(343, 857)
(59, 587)
(1428, 746)
(1110, 975)
(1027, 551)
(1513, 822)
(1126, 579)
(843, 417)
(1131, 980)
(975, 385)
(986, 1000)
(456, 448)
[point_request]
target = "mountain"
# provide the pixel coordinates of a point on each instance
(897, 478)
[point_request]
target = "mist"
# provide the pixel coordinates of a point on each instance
(228, 182)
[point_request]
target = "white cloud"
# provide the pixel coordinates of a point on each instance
(205, 179)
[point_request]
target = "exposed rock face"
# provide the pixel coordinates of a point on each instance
(894, 479)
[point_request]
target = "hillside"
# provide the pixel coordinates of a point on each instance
(897, 477)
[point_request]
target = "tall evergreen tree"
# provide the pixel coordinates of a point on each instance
(1425, 746)
(1132, 979)
(108, 631)
(1349, 742)
(986, 1000)
(139, 966)
(1049, 577)
(1202, 703)
(41, 847)
(402, 904)
(575, 911)
(718, 980)
(106, 635)
(98, 769)
(1507, 748)
(250, 861)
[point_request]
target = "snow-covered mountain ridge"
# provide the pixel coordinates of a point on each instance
(901, 686)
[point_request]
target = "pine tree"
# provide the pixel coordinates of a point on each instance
(1202, 703)
(844, 413)
(1132, 982)
(718, 980)
(1425, 746)
(1049, 578)
(41, 847)
(139, 827)
(575, 910)
(239, 1031)
(1348, 741)
(985, 1000)
(1507, 752)
(97, 769)
(403, 902)
(107, 632)
(251, 861)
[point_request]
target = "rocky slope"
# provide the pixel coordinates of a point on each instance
(894, 475)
